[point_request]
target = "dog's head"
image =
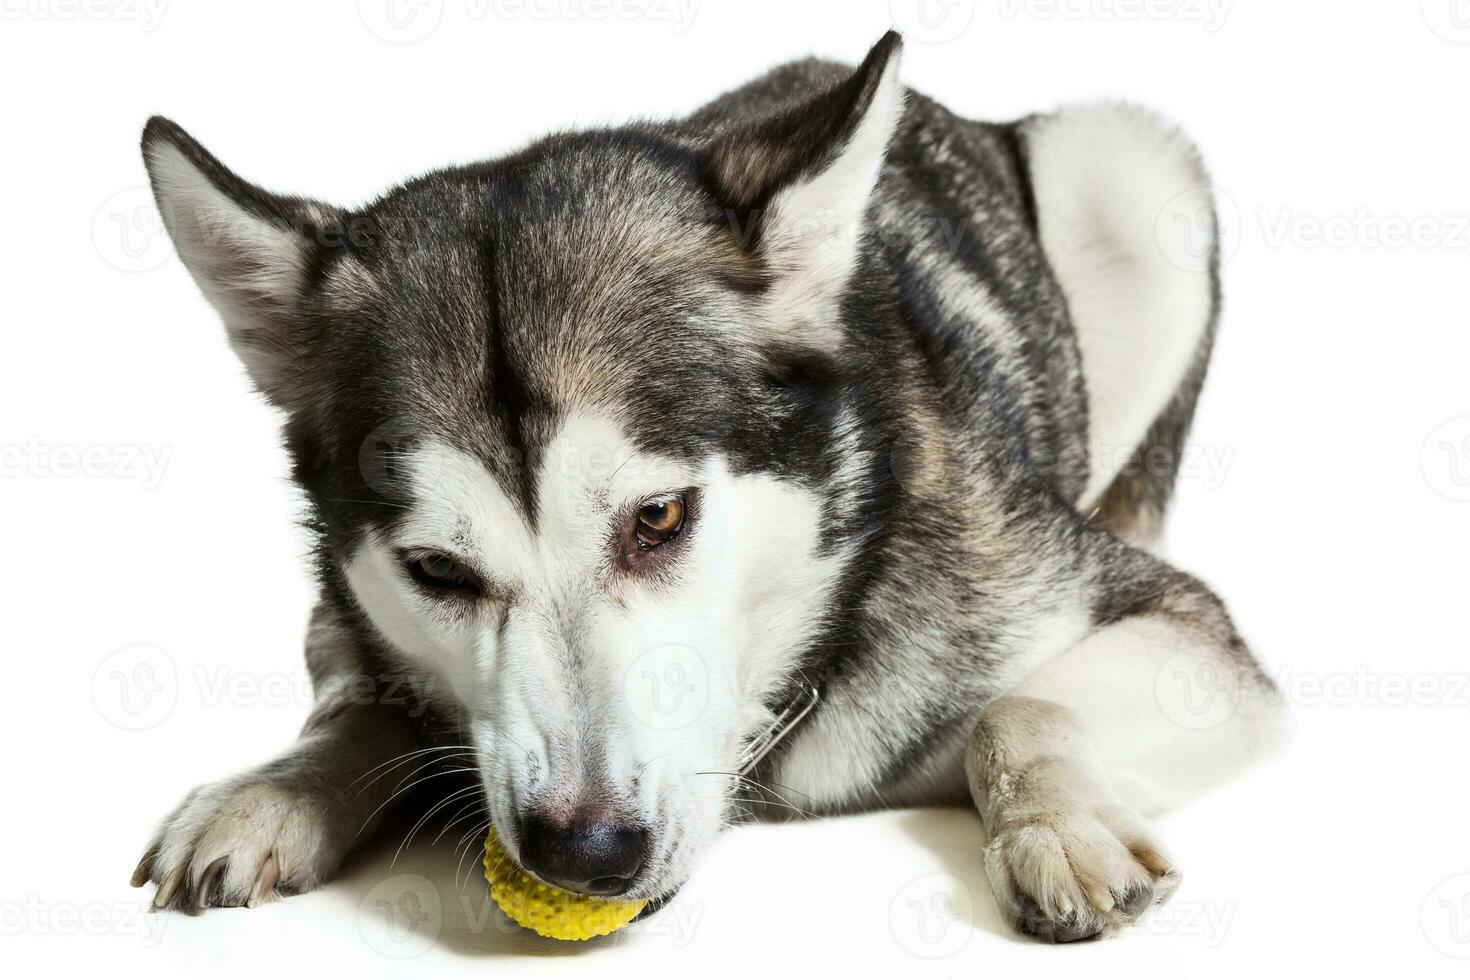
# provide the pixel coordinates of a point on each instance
(571, 424)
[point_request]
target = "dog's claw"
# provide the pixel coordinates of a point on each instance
(167, 888)
(144, 870)
(270, 873)
(1102, 898)
(207, 882)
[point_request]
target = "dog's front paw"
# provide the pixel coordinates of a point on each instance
(1066, 875)
(240, 842)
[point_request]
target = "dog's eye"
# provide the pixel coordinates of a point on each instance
(659, 521)
(439, 571)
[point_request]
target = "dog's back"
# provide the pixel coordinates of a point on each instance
(1022, 245)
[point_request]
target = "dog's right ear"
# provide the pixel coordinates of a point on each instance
(249, 251)
(798, 183)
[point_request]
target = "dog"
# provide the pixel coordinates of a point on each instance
(821, 421)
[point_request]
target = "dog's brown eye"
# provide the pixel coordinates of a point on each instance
(659, 521)
(438, 570)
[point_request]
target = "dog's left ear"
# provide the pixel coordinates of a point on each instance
(250, 251)
(796, 187)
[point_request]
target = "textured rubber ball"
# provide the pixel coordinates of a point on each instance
(546, 909)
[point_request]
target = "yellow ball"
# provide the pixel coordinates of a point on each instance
(550, 911)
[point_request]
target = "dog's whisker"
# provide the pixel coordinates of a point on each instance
(763, 789)
(399, 792)
(469, 809)
(481, 829)
(438, 761)
(379, 503)
(413, 831)
(751, 779)
(399, 760)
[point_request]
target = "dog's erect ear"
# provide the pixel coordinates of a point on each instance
(796, 186)
(249, 251)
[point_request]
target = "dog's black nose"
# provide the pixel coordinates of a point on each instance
(594, 857)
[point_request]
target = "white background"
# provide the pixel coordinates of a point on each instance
(1327, 492)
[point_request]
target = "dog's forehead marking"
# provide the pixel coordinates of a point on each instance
(457, 500)
(588, 470)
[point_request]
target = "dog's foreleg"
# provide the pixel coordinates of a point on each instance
(284, 827)
(1158, 701)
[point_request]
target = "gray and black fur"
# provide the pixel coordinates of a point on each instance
(941, 412)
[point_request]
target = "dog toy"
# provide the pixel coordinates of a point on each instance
(558, 914)
(550, 911)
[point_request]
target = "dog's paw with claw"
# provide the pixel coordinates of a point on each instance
(1064, 876)
(241, 842)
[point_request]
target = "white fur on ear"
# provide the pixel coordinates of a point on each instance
(801, 180)
(247, 250)
(813, 228)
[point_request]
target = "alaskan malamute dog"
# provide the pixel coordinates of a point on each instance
(816, 440)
